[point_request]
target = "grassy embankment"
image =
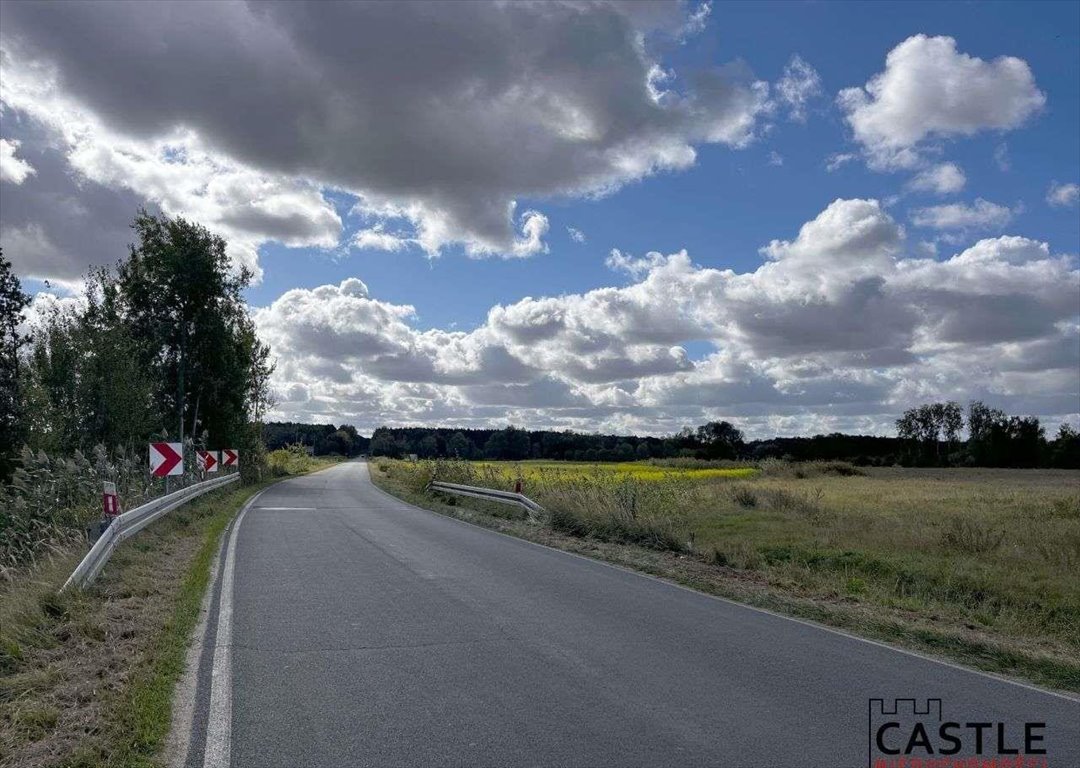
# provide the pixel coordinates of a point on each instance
(978, 565)
(86, 678)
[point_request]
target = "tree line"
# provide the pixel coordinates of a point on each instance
(322, 439)
(929, 435)
(160, 346)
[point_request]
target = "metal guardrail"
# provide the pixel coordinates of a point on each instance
(502, 497)
(131, 522)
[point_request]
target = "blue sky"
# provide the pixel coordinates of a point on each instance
(466, 140)
(733, 202)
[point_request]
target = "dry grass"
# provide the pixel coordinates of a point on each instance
(983, 565)
(86, 677)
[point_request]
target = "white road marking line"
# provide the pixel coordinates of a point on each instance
(217, 752)
(289, 509)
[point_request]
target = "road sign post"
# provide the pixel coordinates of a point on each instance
(110, 502)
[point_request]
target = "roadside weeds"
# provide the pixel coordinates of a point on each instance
(88, 676)
(1046, 664)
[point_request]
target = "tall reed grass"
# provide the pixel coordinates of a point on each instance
(51, 499)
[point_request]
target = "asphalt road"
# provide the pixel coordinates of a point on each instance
(367, 632)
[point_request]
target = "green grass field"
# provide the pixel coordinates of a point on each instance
(981, 564)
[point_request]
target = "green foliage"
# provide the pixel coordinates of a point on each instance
(459, 446)
(930, 435)
(930, 431)
(83, 383)
(49, 500)
(998, 440)
(163, 340)
(183, 301)
(710, 442)
(385, 443)
(511, 444)
(12, 303)
(323, 439)
(1065, 450)
(630, 507)
(292, 460)
(253, 455)
(340, 442)
(721, 440)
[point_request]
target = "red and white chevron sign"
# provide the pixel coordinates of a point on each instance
(166, 459)
(208, 460)
(230, 457)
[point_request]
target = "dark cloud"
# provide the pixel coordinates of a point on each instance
(57, 224)
(443, 112)
(861, 318)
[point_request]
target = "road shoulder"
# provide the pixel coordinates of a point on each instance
(95, 681)
(966, 647)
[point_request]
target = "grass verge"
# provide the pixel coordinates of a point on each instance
(142, 723)
(87, 678)
(837, 557)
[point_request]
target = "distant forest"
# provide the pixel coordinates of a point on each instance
(927, 436)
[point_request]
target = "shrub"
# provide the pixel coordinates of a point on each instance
(968, 535)
(290, 460)
(778, 500)
(738, 555)
(595, 502)
(803, 469)
(744, 497)
(841, 468)
(662, 534)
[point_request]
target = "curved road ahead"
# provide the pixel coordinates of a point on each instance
(352, 629)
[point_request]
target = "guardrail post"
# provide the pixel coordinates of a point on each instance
(490, 494)
(131, 522)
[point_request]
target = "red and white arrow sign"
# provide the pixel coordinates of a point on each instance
(166, 459)
(208, 461)
(230, 457)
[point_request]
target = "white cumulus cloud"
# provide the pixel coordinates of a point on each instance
(378, 239)
(930, 90)
(13, 169)
(797, 87)
(837, 328)
(942, 179)
(982, 214)
(1063, 195)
